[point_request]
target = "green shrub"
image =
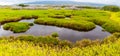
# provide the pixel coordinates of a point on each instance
(26, 38)
(112, 8)
(111, 27)
(55, 35)
(23, 5)
(40, 40)
(83, 43)
(65, 43)
(47, 40)
(111, 39)
(87, 7)
(17, 27)
(31, 24)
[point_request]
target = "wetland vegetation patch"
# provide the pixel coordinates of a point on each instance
(17, 27)
(76, 25)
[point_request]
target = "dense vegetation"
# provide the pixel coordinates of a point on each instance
(85, 19)
(17, 27)
(77, 25)
(112, 8)
(88, 7)
(51, 46)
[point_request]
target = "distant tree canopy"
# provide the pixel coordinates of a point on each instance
(112, 8)
(23, 5)
(87, 7)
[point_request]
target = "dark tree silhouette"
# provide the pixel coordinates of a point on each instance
(112, 8)
(23, 5)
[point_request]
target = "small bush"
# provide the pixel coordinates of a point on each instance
(109, 39)
(47, 40)
(55, 35)
(83, 43)
(23, 5)
(31, 24)
(26, 38)
(113, 38)
(65, 43)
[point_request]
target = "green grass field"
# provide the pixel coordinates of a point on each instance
(82, 20)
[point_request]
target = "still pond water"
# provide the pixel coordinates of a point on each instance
(64, 33)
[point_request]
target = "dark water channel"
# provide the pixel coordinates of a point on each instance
(64, 33)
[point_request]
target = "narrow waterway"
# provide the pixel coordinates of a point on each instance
(64, 33)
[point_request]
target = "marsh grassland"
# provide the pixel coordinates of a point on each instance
(82, 20)
(51, 45)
